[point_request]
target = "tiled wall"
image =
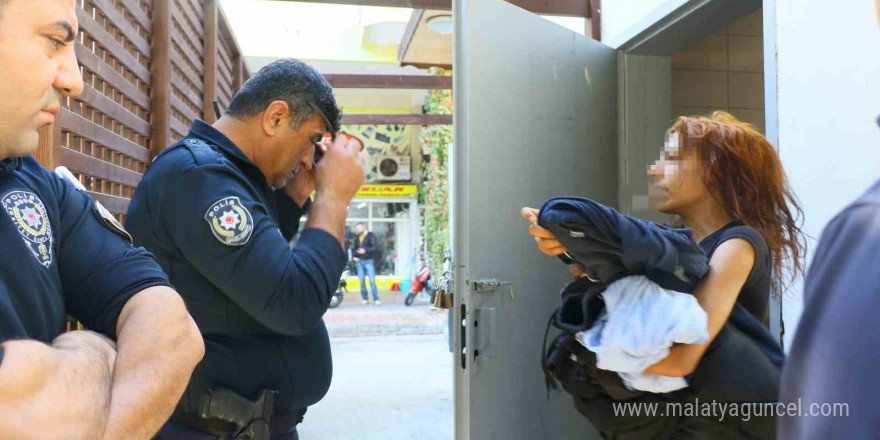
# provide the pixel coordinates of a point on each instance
(725, 71)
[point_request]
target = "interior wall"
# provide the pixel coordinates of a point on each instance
(643, 118)
(724, 71)
(828, 96)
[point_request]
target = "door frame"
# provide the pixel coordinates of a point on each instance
(459, 235)
(676, 24)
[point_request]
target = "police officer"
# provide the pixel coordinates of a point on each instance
(62, 255)
(218, 209)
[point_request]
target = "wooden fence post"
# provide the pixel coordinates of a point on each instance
(48, 153)
(237, 72)
(211, 47)
(161, 72)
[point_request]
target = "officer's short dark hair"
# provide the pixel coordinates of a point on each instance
(291, 81)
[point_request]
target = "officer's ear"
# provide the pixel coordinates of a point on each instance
(274, 117)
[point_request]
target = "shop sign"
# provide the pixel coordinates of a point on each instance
(387, 191)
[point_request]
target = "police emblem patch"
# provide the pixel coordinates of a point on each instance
(29, 215)
(230, 221)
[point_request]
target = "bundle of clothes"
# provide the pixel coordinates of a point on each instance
(632, 303)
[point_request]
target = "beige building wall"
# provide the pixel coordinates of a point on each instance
(725, 71)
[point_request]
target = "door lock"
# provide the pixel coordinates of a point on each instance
(443, 294)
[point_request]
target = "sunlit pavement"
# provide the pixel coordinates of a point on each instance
(386, 388)
(391, 318)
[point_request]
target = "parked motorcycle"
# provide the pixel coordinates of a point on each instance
(421, 283)
(338, 296)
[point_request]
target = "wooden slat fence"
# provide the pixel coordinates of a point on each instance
(150, 68)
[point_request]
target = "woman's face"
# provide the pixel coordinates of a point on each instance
(677, 182)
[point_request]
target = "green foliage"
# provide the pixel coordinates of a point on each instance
(434, 192)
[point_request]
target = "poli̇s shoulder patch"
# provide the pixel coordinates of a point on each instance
(110, 221)
(230, 221)
(28, 214)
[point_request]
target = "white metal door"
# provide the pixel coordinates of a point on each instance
(535, 117)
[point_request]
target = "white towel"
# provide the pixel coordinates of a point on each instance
(641, 322)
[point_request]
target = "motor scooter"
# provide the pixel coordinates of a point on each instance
(421, 283)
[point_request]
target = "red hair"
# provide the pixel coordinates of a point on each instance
(743, 173)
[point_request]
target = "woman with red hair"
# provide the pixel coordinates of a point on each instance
(725, 182)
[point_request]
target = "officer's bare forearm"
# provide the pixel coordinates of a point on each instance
(158, 347)
(328, 214)
(67, 383)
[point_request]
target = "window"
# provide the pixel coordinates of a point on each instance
(392, 224)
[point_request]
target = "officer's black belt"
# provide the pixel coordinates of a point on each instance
(281, 423)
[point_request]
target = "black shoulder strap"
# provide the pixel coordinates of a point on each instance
(201, 151)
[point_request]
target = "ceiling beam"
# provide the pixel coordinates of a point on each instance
(594, 18)
(411, 27)
(422, 82)
(402, 119)
(577, 8)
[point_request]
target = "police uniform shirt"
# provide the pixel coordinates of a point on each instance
(60, 256)
(829, 383)
(221, 233)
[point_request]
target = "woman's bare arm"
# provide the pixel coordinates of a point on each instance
(729, 269)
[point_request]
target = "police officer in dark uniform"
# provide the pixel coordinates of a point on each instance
(64, 254)
(218, 209)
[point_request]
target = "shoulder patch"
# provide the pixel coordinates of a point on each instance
(230, 221)
(110, 221)
(28, 214)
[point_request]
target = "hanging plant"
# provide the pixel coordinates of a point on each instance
(434, 191)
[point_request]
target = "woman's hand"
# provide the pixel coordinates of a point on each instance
(547, 243)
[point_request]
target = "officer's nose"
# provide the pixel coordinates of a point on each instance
(68, 80)
(307, 161)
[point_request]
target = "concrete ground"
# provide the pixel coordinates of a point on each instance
(391, 318)
(395, 387)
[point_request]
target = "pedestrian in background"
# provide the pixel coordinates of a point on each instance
(365, 249)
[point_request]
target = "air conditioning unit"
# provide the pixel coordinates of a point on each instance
(393, 168)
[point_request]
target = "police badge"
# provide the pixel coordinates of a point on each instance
(230, 221)
(29, 215)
